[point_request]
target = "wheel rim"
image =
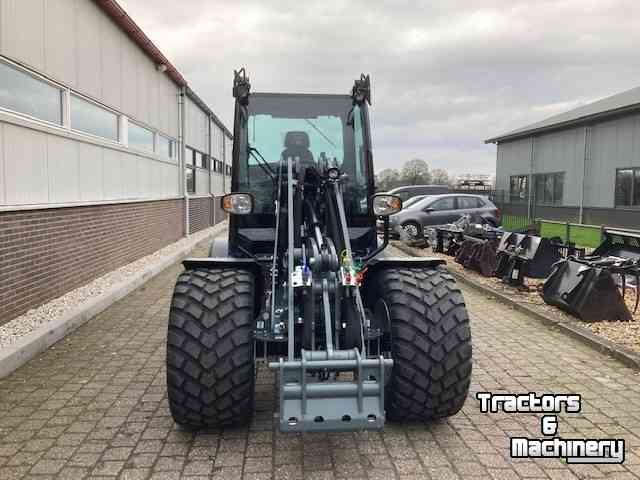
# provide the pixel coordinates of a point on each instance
(411, 229)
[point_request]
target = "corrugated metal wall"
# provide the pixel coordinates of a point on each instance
(610, 145)
(75, 44)
(614, 144)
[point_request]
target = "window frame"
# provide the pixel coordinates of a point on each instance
(190, 166)
(543, 179)
(635, 173)
(153, 131)
(454, 200)
(172, 146)
(118, 140)
(522, 179)
(65, 93)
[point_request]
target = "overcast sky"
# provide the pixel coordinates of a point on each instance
(446, 75)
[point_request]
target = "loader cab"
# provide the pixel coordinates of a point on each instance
(322, 131)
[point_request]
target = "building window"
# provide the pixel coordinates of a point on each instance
(628, 187)
(90, 118)
(24, 93)
(549, 188)
(140, 138)
(166, 147)
(518, 190)
(200, 160)
(214, 164)
(190, 169)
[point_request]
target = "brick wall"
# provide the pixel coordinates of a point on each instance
(45, 253)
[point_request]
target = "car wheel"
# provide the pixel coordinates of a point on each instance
(412, 230)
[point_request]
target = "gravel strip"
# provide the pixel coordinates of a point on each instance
(11, 331)
(624, 334)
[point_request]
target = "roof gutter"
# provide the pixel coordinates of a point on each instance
(567, 124)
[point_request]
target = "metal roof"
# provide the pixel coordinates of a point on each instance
(628, 101)
(135, 33)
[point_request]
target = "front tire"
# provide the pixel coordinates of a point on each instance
(210, 358)
(430, 341)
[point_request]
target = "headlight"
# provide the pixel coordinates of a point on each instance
(238, 203)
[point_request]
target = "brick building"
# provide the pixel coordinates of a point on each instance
(106, 154)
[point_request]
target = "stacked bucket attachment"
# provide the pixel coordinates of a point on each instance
(520, 255)
(589, 287)
(472, 241)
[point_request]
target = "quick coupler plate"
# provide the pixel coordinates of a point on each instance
(315, 397)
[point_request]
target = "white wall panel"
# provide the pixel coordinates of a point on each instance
(114, 172)
(63, 167)
(22, 31)
(197, 121)
(89, 27)
(111, 40)
(142, 86)
(131, 173)
(129, 78)
(216, 184)
(202, 181)
(26, 178)
(60, 41)
(91, 172)
(153, 99)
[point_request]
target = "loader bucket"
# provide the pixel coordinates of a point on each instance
(619, 243)
(521, 255)
(479, 255)
(585, 291)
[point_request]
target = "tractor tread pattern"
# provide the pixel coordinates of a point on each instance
(431, 344)
(210, 364)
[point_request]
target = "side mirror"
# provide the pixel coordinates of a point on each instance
(385, 204)
(237, 203)
(428, 210)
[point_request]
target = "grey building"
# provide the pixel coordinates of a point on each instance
(106, 154)
(579, 166)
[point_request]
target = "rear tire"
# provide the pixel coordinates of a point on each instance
(430, 343)
(210, 358)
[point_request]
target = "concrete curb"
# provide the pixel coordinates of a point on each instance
(624, 355)
(36, 342)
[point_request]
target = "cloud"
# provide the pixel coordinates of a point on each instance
(446, 74)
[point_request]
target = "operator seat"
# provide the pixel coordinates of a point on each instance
(296, 144)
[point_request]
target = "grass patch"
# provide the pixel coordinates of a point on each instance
(514, 222)
(581, 236)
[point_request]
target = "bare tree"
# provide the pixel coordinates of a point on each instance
(415, 172)
(387, 179)
(439, 176)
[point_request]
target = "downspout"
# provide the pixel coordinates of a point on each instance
(183, 153)
(224, 161)
(530, 186)
(585, 153)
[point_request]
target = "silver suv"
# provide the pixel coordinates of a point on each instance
(440, 210)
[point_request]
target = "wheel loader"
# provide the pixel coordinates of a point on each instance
(303, 283)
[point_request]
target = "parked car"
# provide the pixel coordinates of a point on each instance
(439, 210)
(408, 191)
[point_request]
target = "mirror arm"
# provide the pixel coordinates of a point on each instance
(380, 248)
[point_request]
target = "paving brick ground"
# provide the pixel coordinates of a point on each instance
(94, 406)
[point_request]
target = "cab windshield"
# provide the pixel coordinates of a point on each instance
(320, 131)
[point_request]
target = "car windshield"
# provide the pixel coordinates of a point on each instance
(319, 131)
(412, 200)
(423, 202)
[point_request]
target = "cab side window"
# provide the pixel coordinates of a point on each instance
(468, 202)
(443, 204)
